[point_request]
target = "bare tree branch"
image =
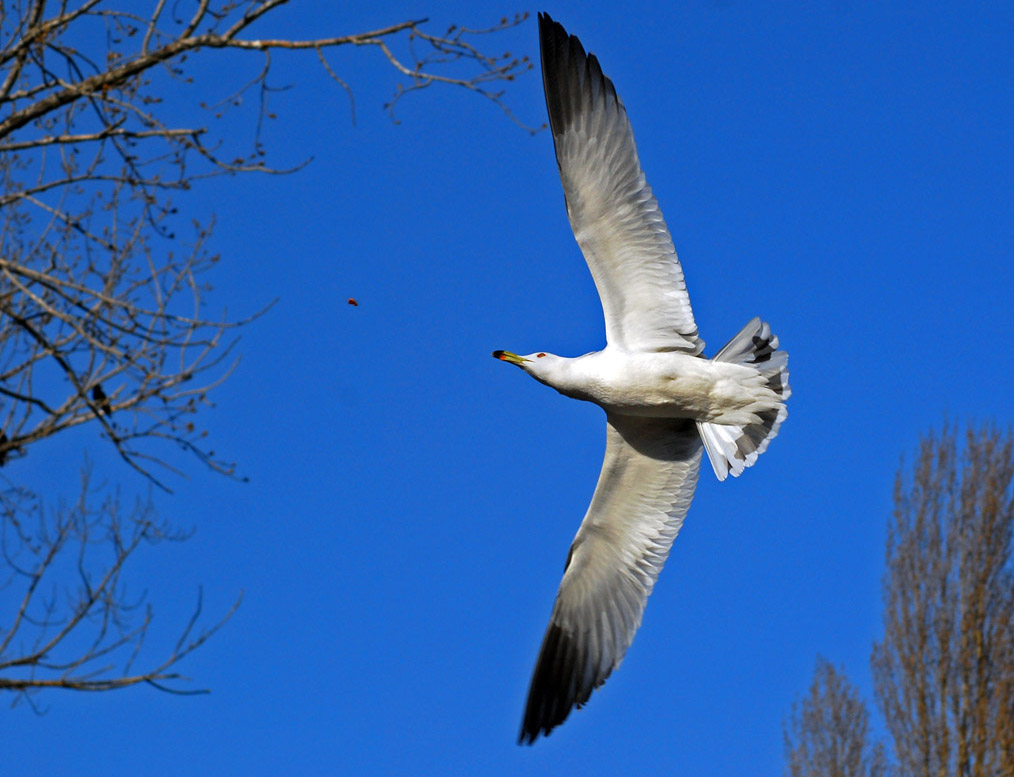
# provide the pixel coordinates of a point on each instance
(88, 636)
(105, 315)
(97, 291)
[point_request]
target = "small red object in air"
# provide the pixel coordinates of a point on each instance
(352, 301)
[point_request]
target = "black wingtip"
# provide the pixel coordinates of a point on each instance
(549, 29)
(572, 79)
(548, 704)
(561, 681)
(553, 45)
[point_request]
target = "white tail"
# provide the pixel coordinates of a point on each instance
(732, 449)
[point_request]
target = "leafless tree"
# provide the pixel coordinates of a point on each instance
(104, 310)
(945, 669)
(828, 733)
(75, 625)
(105, 314)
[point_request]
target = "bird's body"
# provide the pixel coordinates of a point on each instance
(662, 385)
(101, 400)
(666, 404)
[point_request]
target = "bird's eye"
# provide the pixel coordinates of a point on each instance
(539, 355)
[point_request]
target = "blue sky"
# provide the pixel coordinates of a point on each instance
(843, 170)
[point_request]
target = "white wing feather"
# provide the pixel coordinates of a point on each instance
(612, 211)
(644, 491)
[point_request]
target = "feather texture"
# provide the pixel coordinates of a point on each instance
(644, 491)
(612, 211)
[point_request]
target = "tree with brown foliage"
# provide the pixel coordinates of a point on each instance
(944, 670)
(828, 731)
(105, 315)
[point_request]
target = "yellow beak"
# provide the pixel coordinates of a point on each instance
(507, 356)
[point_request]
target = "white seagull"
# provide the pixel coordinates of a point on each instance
(664, 400)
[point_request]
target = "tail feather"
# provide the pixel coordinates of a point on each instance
(732, 449)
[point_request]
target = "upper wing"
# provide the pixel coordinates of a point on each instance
(612, 211)
(643, 494)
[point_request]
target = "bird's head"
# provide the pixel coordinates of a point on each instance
(541, 366)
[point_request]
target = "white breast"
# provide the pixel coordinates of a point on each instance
(663, 385)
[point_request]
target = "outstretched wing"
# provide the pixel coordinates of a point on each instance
(643, 494)
(612, 211)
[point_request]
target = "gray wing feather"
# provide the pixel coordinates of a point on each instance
(612, 211)
(644, 491)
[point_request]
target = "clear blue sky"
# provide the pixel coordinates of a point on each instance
(843, 170)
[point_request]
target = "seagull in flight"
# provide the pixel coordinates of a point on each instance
(665, 402)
